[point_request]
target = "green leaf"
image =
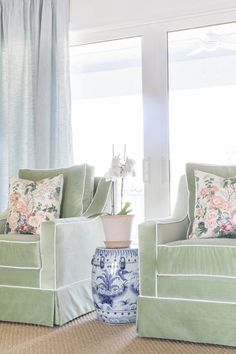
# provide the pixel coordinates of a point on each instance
(98, 214)
(125, 210)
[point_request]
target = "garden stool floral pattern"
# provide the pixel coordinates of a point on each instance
(115, 284)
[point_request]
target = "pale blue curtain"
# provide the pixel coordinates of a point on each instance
(35, 126)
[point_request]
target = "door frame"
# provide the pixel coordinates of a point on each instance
(156, 171)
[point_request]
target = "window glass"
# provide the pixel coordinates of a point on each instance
(202, 91)
(106, 86)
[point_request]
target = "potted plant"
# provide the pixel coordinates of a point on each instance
(117, 226)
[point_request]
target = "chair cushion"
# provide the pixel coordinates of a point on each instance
(31, 202)
(198, 257)
(215, 208)
(222, 171)
(20, 251)
(77, 189)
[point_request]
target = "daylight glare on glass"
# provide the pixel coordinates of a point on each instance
(106, 87)
(202, 91)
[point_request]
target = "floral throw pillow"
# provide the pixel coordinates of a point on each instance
(215, 206)
(31, 202)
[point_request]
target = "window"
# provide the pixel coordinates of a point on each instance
(106, 85)
(109, 61)
(202, 91)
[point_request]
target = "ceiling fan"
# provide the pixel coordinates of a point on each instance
(211, 41)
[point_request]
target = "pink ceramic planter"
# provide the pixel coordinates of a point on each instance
(117, 229)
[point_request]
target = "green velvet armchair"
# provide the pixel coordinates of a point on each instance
(187, 285)
(45, 279)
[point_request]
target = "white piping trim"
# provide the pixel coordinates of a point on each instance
(198, 300)
(190, 300)
(196, 275)
(81, 219)
(26, 242)
(179, 246)
(40, 252)
(48, 289)
(16, 267)
(40, 277)
(41, 262)
(54, 255)
(82, 199)
(23, 287)
(156, 290)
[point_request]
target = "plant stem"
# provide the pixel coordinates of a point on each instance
(113, 198)
(121, 192)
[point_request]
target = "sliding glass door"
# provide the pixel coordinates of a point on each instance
(202, 91)
(165, 90)
(107, 109)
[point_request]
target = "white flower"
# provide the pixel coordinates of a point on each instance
(120, 169)
(128, 167)
(115, 170)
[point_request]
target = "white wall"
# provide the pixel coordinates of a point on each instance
(86, 14)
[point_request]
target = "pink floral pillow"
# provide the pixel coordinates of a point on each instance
(215, 206)
(31, 202)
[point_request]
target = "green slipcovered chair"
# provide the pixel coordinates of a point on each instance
(187, 285)
(45, 279)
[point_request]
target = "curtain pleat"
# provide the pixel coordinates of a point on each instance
(35, 124)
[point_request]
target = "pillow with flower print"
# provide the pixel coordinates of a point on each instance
(215, 206)
(31, 202)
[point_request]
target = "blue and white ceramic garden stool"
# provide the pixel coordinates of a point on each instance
(115, 284)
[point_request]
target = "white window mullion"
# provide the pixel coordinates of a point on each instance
(155, 96)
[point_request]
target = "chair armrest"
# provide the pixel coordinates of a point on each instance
(67, 246)
(3, 219)
(166, 230)
(152, 233)
(101, 201)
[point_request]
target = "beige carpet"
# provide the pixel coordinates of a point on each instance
(87, 335)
